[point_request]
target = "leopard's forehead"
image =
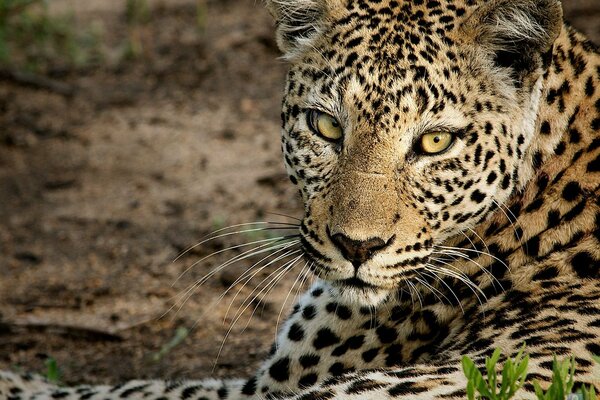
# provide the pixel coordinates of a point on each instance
(390, 35)
(391, 60)
(397, 30)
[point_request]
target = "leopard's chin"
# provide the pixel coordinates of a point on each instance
(356, 291)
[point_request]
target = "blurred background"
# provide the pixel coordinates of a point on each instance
(129, 130)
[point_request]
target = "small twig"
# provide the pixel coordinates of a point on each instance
(81, 332)
(180, 334)
(34, 81)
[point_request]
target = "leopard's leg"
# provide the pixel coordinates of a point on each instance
(32, 387)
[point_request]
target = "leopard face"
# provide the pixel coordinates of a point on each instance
(406, 124)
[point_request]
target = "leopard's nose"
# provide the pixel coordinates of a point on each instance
(357, 251)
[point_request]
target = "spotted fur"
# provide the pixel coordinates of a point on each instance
(493, 243)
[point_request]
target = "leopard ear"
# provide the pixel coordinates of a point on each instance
(298, 22)
(517, 34)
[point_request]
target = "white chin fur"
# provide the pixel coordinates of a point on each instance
(361, 297)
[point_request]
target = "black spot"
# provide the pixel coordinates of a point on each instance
(386, 334)
(538, 159)
(250, 387)
(296, 333)
(593, 348)
(574, 135)
(575, 211)
(137, 389)
(352, 57)
(354, 42)
(594, 165)
(340, 350)
(589, 87)
(394, 355)
(309, 360)
(325, 338)
(309, 312)
(369, 355)
(307, 380)
(545, 128)
(553, 218)
(188, 392)
(337, 369)
(535, 205)
(365, 385)
(545, 274)
(505, 181)
(477, 196)
(405, 388)
(492, 177)
(532, 246)
(491, 229)
(355, 342)
(542, 182)
(585, 265)
(571, 191)
(317, 395)
(222, 392)
(560, 148)
(59, 394)
(341, 311)
(280, 370)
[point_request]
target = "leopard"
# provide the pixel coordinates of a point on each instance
(447, 153)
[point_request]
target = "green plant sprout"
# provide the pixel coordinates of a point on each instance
(562, 381)
(53, 374)
(513, 375)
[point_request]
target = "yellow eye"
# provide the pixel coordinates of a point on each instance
(325, 125)
(434, 143)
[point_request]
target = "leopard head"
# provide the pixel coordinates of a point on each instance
(406, 123)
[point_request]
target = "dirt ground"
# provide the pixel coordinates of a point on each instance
(100, 191)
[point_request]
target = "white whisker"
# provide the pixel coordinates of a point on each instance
(247, 278)
(209, 237)
(299, 277)
(184, 297)
(460, 276)
(269, 240)
(512, 223)
(437, 278)
(416, 292)
(280, 271)
(483, 253)
(466, 257)
(433, 290)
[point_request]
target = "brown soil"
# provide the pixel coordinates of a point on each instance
(100, 191)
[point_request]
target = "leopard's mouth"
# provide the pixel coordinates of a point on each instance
(364, 278)
(357, 283)
(356, 291)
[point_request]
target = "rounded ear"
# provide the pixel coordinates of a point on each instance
(517, 34)
(297, 21)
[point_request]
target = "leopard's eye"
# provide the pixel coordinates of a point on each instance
(325, 125)
(435, 143)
